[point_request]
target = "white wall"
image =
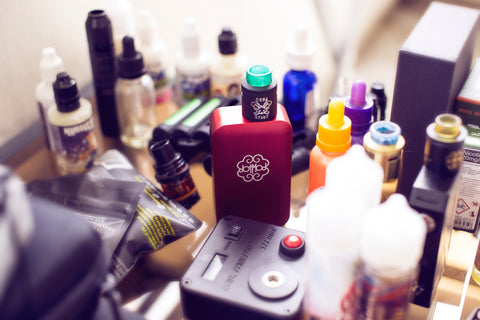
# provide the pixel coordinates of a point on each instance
(27, 26)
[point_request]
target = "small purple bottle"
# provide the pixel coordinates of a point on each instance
(359, 109)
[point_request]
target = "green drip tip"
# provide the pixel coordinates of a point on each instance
(259, 76)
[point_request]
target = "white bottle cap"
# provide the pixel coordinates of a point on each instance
(147, 28)
(50, 65)
(300, 52)
(393, 236)
(120, 13)
(355, 173)
(191, 38)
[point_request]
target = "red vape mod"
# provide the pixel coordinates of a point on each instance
(252, 153)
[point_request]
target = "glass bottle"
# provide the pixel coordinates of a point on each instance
(135, 95)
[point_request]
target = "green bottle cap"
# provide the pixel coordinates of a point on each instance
(259, 76)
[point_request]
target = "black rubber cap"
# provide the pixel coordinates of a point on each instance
(66, 93)
(227, 41)
(130, 61)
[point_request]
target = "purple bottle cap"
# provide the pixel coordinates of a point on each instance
(359, 108)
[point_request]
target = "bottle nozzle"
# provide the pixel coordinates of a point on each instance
(336, 111)
(357, 95)
(129, 47)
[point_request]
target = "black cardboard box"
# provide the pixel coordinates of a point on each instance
(432, 66)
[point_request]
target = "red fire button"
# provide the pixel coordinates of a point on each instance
(292, 246)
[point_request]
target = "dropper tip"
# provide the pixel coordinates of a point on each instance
(357, 95)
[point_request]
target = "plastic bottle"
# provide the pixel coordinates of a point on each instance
(192, 78)
(135, 95)
(173, 173)
(299, 81)
(228, 68)
(104, 69)
(352, 187)
(384, 144)
(356, 173)
(123, 21)
(73, 128)
(333, 139)
(359, 109)
(154, 53)
(393, 236)
(252, 153)
(50, 65)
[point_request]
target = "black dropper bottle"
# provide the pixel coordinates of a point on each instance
(173, 174)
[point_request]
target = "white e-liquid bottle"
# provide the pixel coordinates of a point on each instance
(73, 133)
(192, 77)
(50, 65)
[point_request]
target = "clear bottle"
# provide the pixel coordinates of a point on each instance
(384, 144)
(50, 65)
(299, 81)
(192, 77)
(135, 95)
(393, 236)
(228, 68)
(73, 128)
(154, 53)
(333, 139)
(359, 109)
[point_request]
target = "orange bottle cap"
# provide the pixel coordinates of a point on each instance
(334, 129)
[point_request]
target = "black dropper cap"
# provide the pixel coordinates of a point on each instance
(227, 41)
(130, 61)
(66, 93)
(168, 162)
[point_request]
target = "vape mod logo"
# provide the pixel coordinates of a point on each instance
(252, 168)
(261, 107)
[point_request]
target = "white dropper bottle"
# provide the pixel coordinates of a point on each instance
(154, 55)
(192, 77)
(50, 65)
(393, 237)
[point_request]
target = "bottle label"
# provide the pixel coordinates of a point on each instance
(75, 146)
(194, 86)
(468, 197)
(226, 86)
(163, 92)
(261, 108)
(253, 168)
(380, 297)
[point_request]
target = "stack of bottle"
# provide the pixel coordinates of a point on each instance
(350, 201)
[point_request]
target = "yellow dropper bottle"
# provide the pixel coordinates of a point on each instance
(333, 139)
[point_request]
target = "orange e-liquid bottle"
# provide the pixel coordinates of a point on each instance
(333, 139)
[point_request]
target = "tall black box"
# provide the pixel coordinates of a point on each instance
(433, 195)
(432, 66)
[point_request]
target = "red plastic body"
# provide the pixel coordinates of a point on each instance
(251, 165)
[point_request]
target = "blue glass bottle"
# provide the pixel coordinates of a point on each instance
(298, 96)
(299, 81)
